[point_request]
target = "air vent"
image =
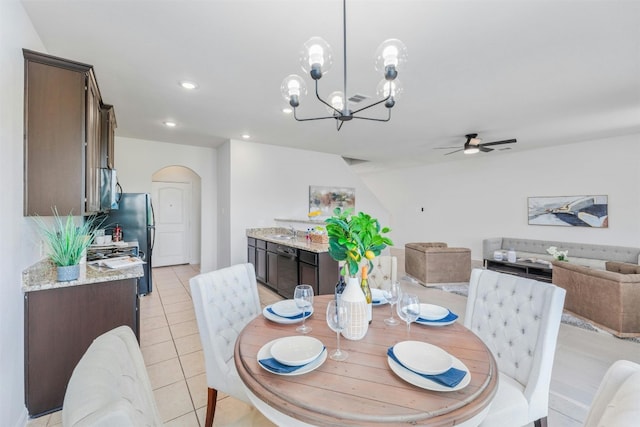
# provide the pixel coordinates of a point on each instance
(358, 98)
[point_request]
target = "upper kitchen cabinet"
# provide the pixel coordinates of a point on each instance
(64, 136)
(107, 141)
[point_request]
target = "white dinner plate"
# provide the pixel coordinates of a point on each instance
(432, 312)
(377, 295)
(418, 381)
(286, 308)
(279, 319)
(422, 357)
(265, 353)
(297, 350)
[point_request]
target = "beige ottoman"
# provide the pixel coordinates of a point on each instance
(436, 263)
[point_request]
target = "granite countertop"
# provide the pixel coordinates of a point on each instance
(42, 275)
(300, 243)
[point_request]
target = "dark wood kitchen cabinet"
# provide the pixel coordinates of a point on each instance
(319, 270)
(60, 324)
(63, 133)
(108, 127)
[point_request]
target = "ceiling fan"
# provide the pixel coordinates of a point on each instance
(475, 144)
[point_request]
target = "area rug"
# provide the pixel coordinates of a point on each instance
(463, 289)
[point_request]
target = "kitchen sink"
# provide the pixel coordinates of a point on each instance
(282, 236)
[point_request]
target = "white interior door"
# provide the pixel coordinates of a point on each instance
(171, 201)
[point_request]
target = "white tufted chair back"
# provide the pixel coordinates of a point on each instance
(385, 269)
(225, 301)
(518, 319)
(110, 386)
(616, 402)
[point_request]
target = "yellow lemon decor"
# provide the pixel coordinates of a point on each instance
(353, 238)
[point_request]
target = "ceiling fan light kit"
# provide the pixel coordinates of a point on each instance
(316, 59)
(474, 145)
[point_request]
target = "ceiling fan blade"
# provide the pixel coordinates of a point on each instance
(445, 148)
(506, 141)
(485, 149)
(446, 154)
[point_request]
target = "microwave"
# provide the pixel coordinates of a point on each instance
(109, 194)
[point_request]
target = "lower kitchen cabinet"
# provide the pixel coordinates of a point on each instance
(281, 267)
(60, 324)
(319, 270)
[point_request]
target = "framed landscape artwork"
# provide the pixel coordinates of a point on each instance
(569, 211)
(325, 199)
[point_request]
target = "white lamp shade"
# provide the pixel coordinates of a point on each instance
(336, 99)
(293, 84)
(391, 52)
(395, 86)
(316, 51)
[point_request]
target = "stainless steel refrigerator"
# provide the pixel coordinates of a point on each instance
(135, 216)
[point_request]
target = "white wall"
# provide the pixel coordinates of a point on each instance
(224, 204)
(136, 162)
(18, 243)
(486, 195)
(268, 182)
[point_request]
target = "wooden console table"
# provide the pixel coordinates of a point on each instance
(530, 270)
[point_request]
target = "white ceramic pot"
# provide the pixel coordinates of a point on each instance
(359, 322)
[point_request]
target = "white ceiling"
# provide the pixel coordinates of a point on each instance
(544, 72)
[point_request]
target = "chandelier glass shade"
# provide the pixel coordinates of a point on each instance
(316, 59)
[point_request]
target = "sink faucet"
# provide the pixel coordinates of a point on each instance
(294, 232)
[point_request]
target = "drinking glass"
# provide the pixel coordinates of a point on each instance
(338, 319)
(303, 296)
(391, 292)
(408, 309)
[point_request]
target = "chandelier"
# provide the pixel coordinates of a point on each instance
(316, 59)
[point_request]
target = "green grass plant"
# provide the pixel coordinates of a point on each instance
(66, 241)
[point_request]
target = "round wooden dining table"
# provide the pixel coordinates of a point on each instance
(363, 390)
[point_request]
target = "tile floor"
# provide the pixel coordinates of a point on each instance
(173, 354)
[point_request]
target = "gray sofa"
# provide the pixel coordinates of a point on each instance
(589, 255)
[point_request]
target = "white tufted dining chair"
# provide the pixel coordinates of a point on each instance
(616, 403)
(225, 301)
(385, 269)
(518, 319)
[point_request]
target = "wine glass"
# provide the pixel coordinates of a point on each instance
(338, 318)
(391, 292)
(303, 296)
(408, 309)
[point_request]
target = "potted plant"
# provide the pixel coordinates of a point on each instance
(67, 243)
(355, 239)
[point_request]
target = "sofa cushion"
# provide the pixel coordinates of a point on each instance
(622, 267)
(422, 246)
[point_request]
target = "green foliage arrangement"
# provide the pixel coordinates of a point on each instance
(353, 238)
(65, 240)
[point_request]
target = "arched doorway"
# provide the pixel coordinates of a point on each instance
(176, 195)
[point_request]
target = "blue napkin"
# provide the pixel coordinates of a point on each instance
(274, 366)
(450, 378)
(448, 318)
(280, 368)
(296, 316)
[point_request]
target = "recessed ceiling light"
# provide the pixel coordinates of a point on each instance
(287, 110)
(169, 124)
(188, 85)
(246, 136)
